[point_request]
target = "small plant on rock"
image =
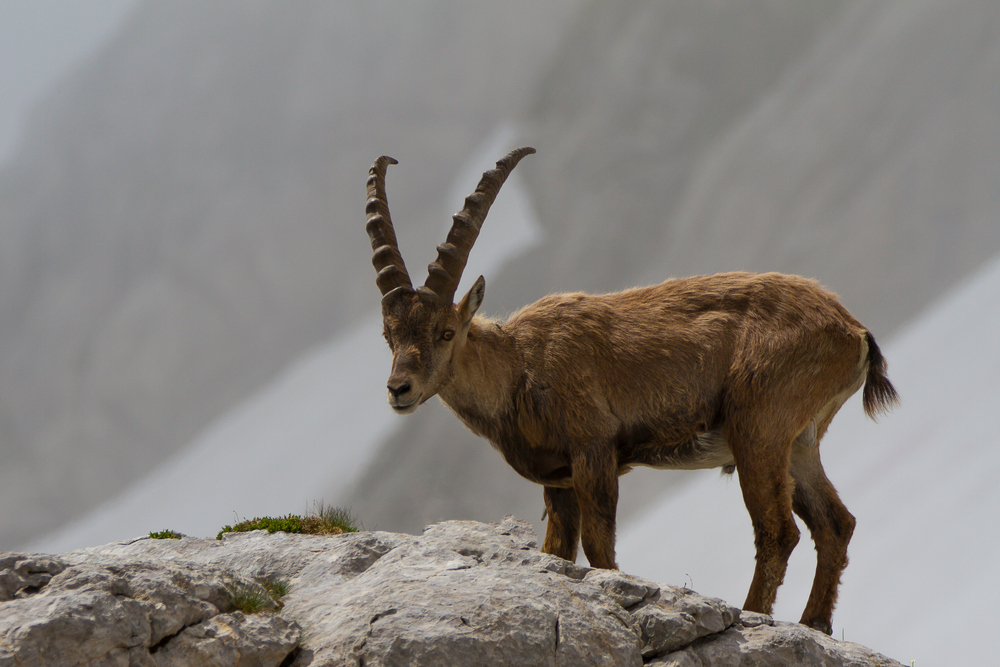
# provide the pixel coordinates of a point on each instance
(250, 598)
(286, 524)
(165, 535)
(333, 520)
(254, 597)
(276, 588)
(323, 521)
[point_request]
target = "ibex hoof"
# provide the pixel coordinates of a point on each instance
(821, 625)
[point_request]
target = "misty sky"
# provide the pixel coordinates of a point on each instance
(40, 42)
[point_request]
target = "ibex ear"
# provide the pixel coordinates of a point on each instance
(470, 303)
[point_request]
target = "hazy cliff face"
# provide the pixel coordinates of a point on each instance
(847, 141)
(185, 216)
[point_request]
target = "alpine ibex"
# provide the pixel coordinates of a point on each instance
(738, 370)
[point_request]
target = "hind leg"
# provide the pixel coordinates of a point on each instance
(831, 526)
(762, 464)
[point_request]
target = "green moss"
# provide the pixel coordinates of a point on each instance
(323, 521)
(287, 524)
(165, 535)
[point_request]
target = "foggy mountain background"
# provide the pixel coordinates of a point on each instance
(182, 223)
(40, 42)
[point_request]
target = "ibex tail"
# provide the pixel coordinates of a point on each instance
(879, 395)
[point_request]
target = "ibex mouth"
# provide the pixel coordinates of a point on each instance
(405, 408)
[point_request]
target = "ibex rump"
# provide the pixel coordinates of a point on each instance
(738, 370)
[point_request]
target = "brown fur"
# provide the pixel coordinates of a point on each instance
(735, 370)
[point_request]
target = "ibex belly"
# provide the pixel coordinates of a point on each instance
(703, 451)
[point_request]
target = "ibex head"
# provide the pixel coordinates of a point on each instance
(423, 327)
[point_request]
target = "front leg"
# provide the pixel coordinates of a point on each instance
(562, 533)
(595, 479)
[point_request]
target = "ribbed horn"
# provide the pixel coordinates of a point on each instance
(445, 272)
(386, 258)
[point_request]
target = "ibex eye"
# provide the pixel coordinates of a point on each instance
(448, 334)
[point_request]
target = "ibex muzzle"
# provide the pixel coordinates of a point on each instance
(737, 370)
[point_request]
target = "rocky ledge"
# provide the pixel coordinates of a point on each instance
(463, 593)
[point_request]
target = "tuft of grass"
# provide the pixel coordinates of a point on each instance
(165, 535)
(324, 520)
(276, 588)
(250, 598)
(337, 518)
(254, 597)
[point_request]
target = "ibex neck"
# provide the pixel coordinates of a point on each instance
(484, 373)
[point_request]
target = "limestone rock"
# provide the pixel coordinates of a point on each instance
(232, 639)
(462, 593)
(18, 573)
(677, 617)
(117, 611)
(772, 644)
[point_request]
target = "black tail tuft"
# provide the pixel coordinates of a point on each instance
(879, 396)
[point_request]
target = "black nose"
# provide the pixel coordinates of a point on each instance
(399, 390)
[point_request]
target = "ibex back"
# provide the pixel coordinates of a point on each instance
(738, 370)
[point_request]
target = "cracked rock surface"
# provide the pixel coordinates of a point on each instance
(95, 610)
(462, 593)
